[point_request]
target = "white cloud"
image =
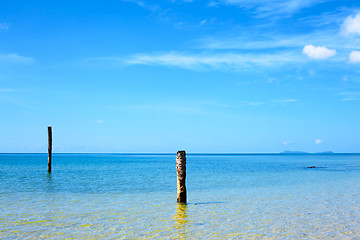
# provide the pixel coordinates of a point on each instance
(4, 26)
(319, 141)
(286, 143)
(351, 25)
(354, 57)
(14, 58)
(319, 52)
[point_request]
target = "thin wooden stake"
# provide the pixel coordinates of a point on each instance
(181, 176)
(49, 148)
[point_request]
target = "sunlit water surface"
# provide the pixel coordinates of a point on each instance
(125, 196)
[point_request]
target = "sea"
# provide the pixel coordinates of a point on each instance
(133, 196)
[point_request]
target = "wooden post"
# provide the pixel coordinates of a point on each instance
(181, 175)
(49, 148)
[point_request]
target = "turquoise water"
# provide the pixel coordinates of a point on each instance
(129, 196)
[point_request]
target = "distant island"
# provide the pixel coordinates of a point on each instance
(302, 152)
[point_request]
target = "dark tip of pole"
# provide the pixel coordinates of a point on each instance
(181, 152)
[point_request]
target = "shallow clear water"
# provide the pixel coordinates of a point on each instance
(125, 196)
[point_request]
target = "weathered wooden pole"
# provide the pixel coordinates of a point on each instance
(181, 176)
(49, 148)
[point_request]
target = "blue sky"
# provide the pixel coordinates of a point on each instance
(205, 76)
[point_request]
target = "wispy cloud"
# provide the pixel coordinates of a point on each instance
(319, 141)
(318, 52)
(247, 50)
(212, 60)
(347, 99)
(15, 90)
(4, 26)
(103, 62)
(276, 7)
(6, 90)
(143, 4)
(349, 96)
(110, 59)
(279, 102)
(196, 108)
(245, 43)
(284, 101)
(273, 80)
(181, 1)
(326, 31)
(14, 58)
(261, 40)
(256, 103)
(330, 19)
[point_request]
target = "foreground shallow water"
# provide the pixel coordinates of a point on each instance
(124, 196)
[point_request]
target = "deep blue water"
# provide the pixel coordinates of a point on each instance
(230, 196)
(121, 173)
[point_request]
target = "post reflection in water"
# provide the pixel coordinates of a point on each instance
(181, 220)
(49, 182)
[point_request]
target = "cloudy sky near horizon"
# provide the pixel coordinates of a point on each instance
(160, 76)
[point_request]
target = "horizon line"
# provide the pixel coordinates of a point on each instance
(192, 153)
